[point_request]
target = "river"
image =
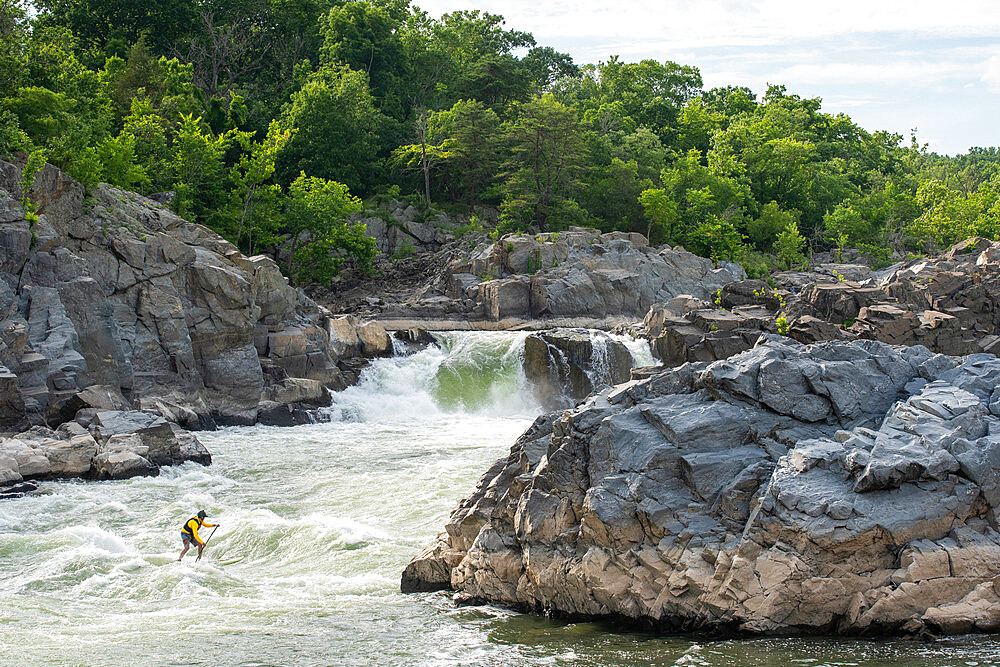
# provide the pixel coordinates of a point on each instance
(323, 518)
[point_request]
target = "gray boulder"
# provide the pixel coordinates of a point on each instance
(122, 304)
(839, 487)
(564, 366)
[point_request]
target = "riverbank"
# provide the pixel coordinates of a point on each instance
(324, 517)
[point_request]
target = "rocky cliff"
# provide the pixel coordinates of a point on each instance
(841, 487)
(109, 301)
(578, 277)
(115, 290)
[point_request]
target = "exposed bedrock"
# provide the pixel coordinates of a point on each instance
(111, 304)
(949, 304)
(578, 275)
(113, 290)
(99, 444)
(564, 366)
(842, 487)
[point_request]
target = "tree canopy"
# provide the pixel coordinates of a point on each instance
(257, 115)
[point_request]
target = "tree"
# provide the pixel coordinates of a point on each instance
(547, 160)
(546, 66)
(336, 125)
(661, 214)
(321, 235)
(789, 245)
(473, 132)
(112, 26)
(198, 164)
(611, 195)
(772, 221)
(422, 156)
(250, 175)
(367, 37)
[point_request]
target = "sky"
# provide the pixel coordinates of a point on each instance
(897, 65)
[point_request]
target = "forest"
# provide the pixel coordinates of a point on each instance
(274, 122)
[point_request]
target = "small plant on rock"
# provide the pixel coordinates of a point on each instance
(36, 160)
(781, 321)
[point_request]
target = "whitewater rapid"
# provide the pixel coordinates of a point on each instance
(324, 517)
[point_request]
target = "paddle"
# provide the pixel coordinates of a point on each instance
(206, 543)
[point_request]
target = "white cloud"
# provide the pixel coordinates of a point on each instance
(705, 23)
(991, 74)
(892, 64)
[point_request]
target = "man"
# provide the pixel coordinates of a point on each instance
(189, 533)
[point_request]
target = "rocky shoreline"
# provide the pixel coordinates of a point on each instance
(806, 460)
(114, 310)
(845, 487)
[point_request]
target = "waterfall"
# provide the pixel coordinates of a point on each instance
(481, 373)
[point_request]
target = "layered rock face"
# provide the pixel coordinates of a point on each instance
(581, 273)
(117, 291)
(564, 366)
(577, 274)
(949, 304)
(840, 487)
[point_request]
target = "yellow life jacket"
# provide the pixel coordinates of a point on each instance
(191, 526)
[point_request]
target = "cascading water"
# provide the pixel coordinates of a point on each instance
(477, 373)
(323, 518)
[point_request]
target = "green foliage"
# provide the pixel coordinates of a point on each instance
(781, 321)
(789, 245)
(321, 236)
(404, 250)
(717, 238)
(950, 215)
(34, 164)
(228, 103)
(547, 159)
(250, 176)
(662, 213)
(765, 228)
(198, 165)
(335, 121)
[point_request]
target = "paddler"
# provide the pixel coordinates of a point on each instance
(189, 533)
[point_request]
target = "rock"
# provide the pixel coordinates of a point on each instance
(582, 274)
(808, 329)
(70, 457)
(564, 366)
(97, 397)
(31, 462)
(702, 333)
(344, 339)
(154, 432)
(841, 301)
(9, 473)
(12, 409)
(828, 488)
(189, 448)
(431, 570)
(375, 341)
(298, 391)
(123, 304)
(121, 465)
(282, 414)
(510, 297)
(18, 489)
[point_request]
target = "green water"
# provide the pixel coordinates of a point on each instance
(323, 517)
